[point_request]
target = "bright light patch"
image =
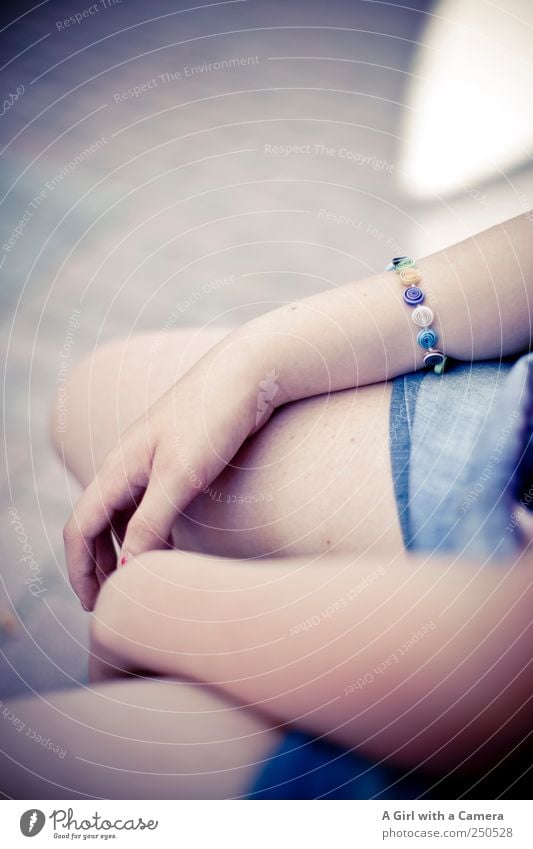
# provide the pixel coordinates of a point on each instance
(471, 113)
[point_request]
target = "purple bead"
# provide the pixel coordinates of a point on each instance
(413, 295)
(434, 358)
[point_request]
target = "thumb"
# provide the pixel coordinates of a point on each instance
(150, 526)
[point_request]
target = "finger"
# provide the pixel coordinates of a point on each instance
(92, 515)
(151, 524)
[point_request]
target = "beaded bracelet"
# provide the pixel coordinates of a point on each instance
(413, 296)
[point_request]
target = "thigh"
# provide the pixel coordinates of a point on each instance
(317, 477)
(155, 739)
(112, 387)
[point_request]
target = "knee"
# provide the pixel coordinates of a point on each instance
(79, 396)
(63, 403)
(130, 598)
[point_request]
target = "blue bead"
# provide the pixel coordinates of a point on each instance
(427, 338)
(413, 295)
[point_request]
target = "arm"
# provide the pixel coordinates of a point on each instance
(480, 290)
(456, 696)
(346, 337)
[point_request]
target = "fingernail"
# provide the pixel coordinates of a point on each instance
(124, 557)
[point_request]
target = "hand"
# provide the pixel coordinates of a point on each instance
(162, 461)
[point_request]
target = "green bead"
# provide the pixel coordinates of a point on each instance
(406, 262)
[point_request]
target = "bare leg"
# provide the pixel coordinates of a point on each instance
(155, 738)
(316, 478)
(168, 739)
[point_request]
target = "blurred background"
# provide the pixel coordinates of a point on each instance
(173, 164)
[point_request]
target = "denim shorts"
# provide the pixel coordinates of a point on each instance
(461, 457)
(434, 427)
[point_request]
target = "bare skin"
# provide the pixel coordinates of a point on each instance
(177, 738)
(270, 500)
(459, 702)
(153, 739)
(316, 446)
(347, 337)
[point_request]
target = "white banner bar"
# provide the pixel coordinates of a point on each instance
(268, 825)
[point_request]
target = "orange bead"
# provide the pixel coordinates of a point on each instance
(410, 276)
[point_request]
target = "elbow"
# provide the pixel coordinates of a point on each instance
(483, 717)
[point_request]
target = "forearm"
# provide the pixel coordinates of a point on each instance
(480, 291)
(329, 646)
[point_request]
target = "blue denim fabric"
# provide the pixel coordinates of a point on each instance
(308, 768)
(462, 456)
(402, 416)
(471, 459)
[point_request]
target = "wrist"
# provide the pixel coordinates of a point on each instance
(256, 353)
(274, 351)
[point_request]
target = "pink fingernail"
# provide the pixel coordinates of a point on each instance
(124, 557)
